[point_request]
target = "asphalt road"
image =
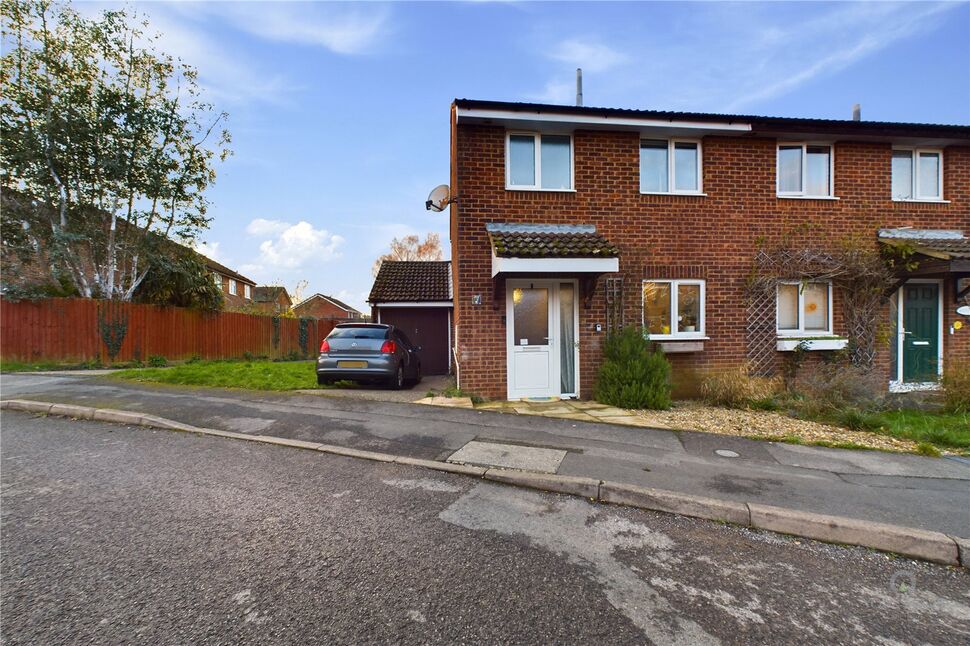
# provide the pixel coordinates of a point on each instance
(909, 490)
(113, 534)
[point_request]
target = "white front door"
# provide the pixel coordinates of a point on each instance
(541, 339)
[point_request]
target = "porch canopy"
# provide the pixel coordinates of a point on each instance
(550, 249)
(939, 253)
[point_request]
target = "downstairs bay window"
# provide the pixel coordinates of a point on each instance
(673, 309)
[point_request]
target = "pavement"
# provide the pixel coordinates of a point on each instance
(113, 534)
(907, 490)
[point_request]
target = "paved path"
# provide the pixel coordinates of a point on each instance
(915, 491)
(114, 534)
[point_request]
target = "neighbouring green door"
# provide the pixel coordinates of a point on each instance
(921, 332)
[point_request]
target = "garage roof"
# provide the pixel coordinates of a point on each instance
(412, 281)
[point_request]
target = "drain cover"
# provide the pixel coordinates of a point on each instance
(727, 453)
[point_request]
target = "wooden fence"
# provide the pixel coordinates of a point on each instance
(80, 329)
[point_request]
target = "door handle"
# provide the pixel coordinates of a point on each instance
(921, 342)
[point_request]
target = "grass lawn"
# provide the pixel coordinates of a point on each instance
(254, 375)
(945, 430)
(21, 366)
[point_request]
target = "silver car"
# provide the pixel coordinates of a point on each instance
(370, 352)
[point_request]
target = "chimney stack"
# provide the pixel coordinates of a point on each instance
(579, 86)
(857, 112)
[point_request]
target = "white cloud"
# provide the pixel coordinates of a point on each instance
(589, 55)
(264, 227)
(338, 28)
(298, 244)
(556, 92)
(210, 250)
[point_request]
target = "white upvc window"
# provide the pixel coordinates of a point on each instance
(232, 286)
(670, 166)
(217, 278)
(247, 291)
(804, 308)
(673, 308)
(917, 174)
(805, 170)
(538, 161)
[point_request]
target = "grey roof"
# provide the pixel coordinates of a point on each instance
(937, 243)
(906, 233)
(548, 241)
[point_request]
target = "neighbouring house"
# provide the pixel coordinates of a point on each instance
(569, 222)
(320, 306)
(237, 290)
(271, 299)
(415, 296)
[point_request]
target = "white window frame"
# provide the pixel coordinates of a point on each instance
(802, 195)
(675, 332)
(218, 279)
(537, 149)
(800, 331)
(671, 180)
(247, 292)
(232, 286)
(914, 153)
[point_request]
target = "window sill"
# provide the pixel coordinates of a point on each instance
(922, 201)
(699, 336)
(684, 194)
(790, 344)
(807, 197)
(677, 345)
(527, 189)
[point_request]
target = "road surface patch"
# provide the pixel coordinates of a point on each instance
(509, 456)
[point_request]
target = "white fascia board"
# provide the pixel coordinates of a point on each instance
(554, 265)
(577, 119)
(414, 304)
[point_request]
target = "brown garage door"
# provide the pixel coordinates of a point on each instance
(426, 327)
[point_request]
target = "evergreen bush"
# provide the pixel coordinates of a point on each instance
(634, 374)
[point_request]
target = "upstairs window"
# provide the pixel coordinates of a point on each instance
(247, 291)
(804, 170)
(673, 308)
(539, 162)
(670, 166)
(232, 286)
(218, 280)
(804, 308)
(917, 174)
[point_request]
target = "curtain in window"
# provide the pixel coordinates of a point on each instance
(567, 332)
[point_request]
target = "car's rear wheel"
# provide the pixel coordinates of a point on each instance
(397, 383)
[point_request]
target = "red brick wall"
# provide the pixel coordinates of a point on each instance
(714, 236)
(319, 308)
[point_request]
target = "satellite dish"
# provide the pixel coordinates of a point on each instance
(439, 198)
(963, 310)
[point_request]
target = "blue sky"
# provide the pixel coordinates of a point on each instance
(340, 112)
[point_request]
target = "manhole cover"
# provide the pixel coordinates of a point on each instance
(727, 453)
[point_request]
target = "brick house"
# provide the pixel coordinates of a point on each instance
(570, 221)
(237, 290)
(320, 306)
(271, 299)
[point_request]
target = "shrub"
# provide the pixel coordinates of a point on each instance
(956, 387)
(157, 361)
(633, 374)
(738, 389)
(840, 386)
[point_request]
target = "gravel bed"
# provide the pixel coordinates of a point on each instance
(694, 416)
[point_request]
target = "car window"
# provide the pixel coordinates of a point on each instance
(358, 333)
(404, 338)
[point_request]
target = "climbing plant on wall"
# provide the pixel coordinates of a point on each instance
(862, 271)
(113, 328)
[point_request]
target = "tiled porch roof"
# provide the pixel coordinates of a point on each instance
(549, 241)
(936, 243)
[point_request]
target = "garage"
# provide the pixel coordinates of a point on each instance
(415, 296)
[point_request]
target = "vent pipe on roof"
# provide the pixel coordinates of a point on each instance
(857, 112)
(579, 86)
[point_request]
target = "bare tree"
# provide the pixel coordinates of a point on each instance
(411, 248)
